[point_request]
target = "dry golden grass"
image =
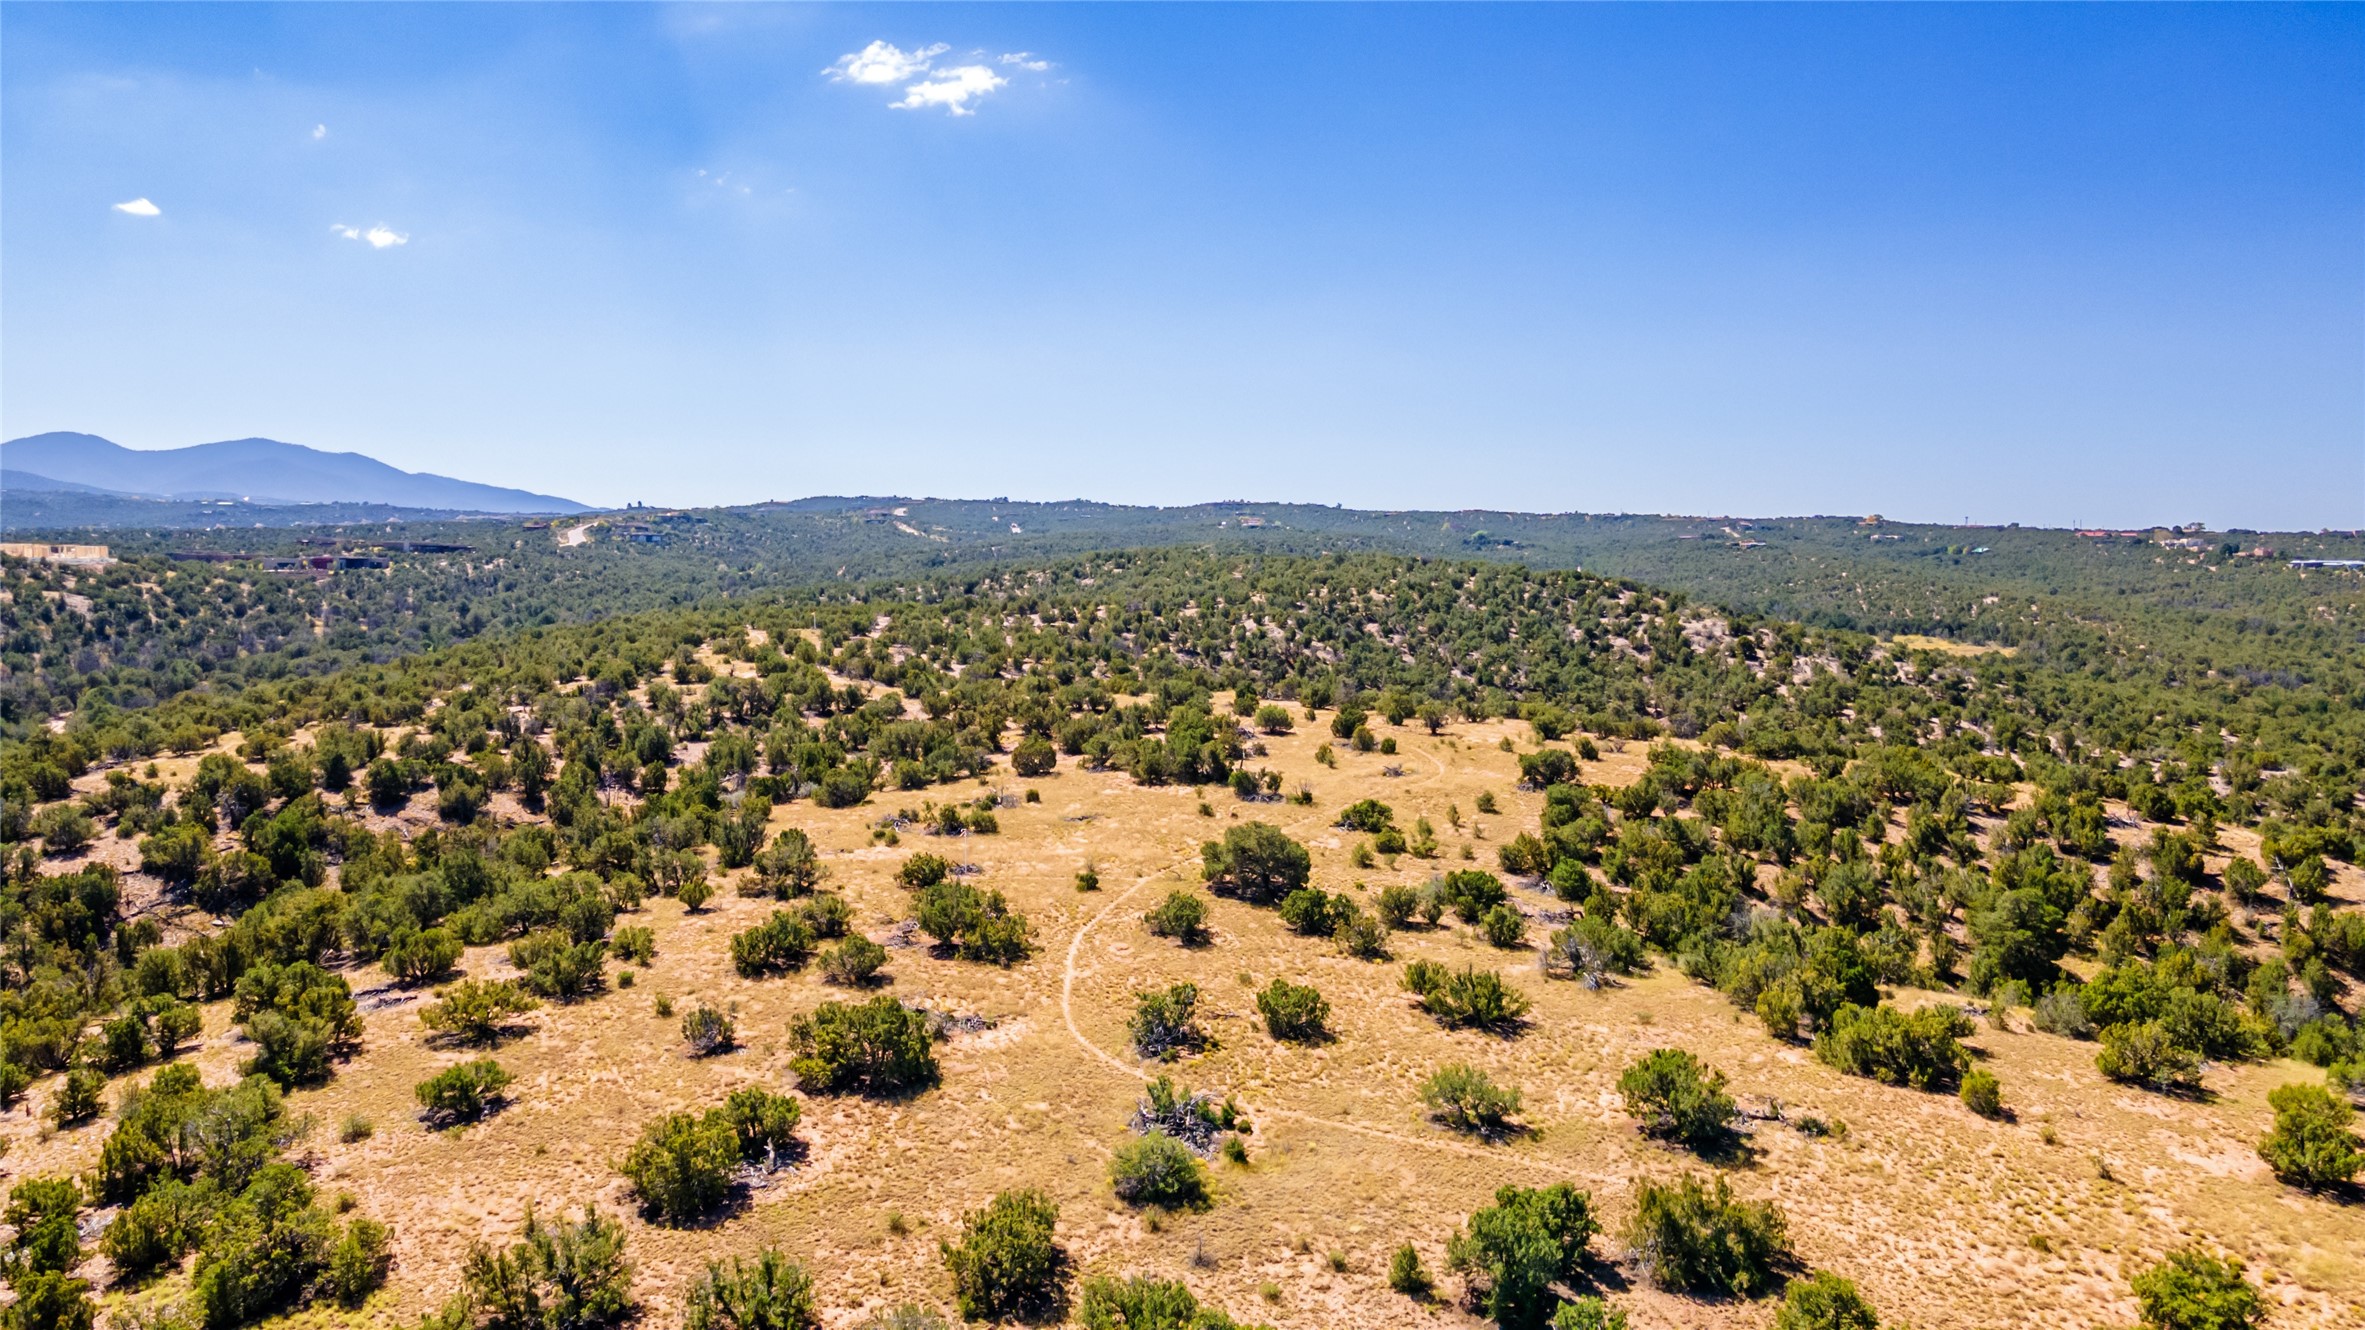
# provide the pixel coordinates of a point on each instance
(1945, 1219)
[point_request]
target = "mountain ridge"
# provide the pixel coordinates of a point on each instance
(250, 468)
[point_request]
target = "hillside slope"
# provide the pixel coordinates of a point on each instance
(256, 468)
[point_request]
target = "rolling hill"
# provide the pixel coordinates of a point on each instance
(256, 469)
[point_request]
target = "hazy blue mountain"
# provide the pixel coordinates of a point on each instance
(28, 481)
(258, 469)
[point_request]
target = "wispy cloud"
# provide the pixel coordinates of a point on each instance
(1027, 61)
(880, 63)
(319, 132)
(953, 89)
(380, 236)
(140, 208)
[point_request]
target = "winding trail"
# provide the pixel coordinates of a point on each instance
(1067, 1010)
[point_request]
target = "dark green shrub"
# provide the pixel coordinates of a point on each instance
(1165, 1021)
(1467, 1099)
(1006, 1264)
(979, 925)
(1397, 904)
(157, 1229)
(415, 958)
(853, 962)
(1983, 1094)
(1156, 1169)
(358, 1264)
(1366, 815)
(773, 1293)
(562, 1276)
(2192, 1290)
(1693, 1239)
(1593, 948)
(1407, 1275)
(78, 1097)
(1469, 997)
(50, 1301)
(174, 1127)
(1504, 927)
(476, 1011)
(780, 943)
(2147, 1054)
(878, 1047)
(1359, 935)
(1142, 1303)
(634, 944)
(1181, 916)
(923, 870)
(1296, 1013)
(1471, 893)
(1676, 1098)
(682, 1166)
(463, 1093)
(558, 967)
(45, 1213)
(827, 914)
(763, 1123)
(1512, 1252)
(1824, 1301)
(1257, 862)
(789, 866)
(1310, 912)
(176, 1024)
(2311, 1145)
(1588, 1313)
(263, 1251)
(708, 1032)
(1034, 757)
(1919, 1050)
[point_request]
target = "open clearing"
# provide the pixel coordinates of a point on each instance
(1945, 1219)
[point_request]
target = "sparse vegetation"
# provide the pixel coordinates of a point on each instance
(2059, 833)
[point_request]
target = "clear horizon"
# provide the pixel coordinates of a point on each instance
(2064, 266)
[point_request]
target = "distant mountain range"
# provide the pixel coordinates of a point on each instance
(256, 470)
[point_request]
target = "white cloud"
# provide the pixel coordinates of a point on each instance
(140, 208)
(1027, 61)
(319, 132)
(953, 89)
(380, 236)
(880, 62)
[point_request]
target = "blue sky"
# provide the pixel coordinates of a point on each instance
(2060, 265)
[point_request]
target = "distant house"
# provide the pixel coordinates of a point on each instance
(2351, 564)
(638, 533)
(85, 556)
